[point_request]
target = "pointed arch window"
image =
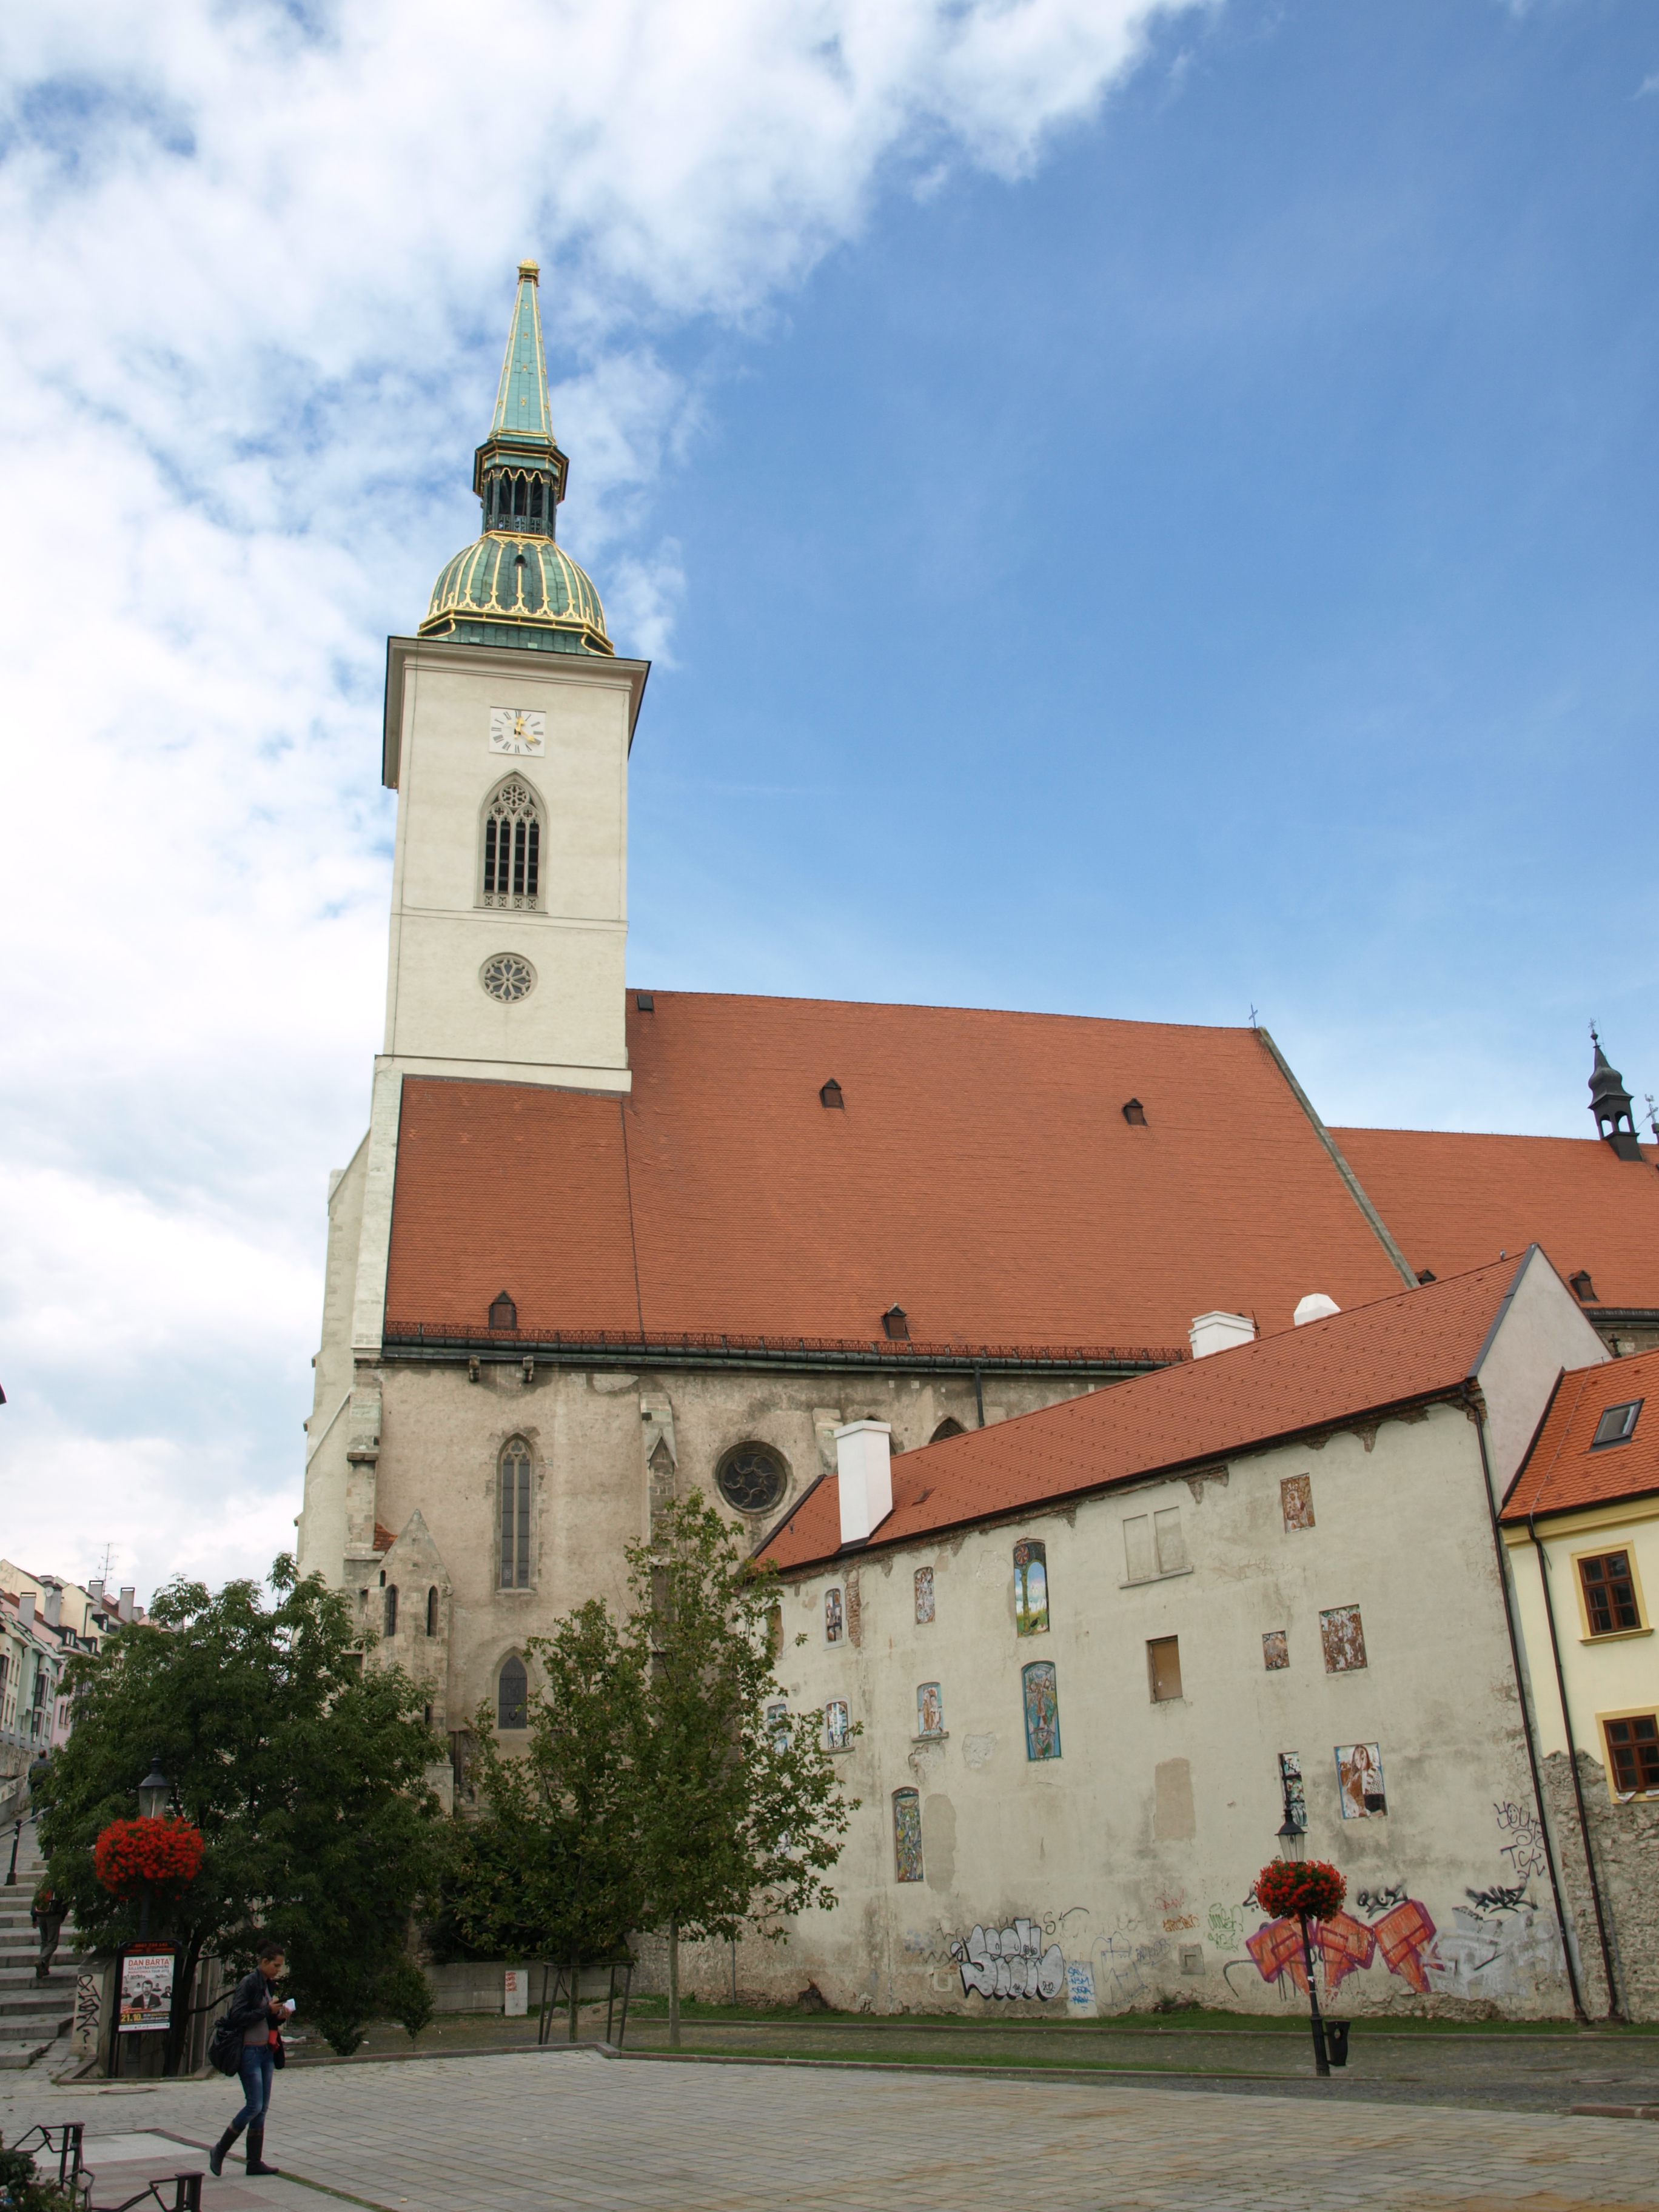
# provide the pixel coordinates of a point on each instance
(512, 846)
(513, 1489)
(432, 1611)
(512, 1695)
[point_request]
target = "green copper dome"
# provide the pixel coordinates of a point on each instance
(515, 585)
(512, 590)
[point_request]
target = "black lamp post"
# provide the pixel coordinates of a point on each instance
(154, 1792)
(1292, 1843)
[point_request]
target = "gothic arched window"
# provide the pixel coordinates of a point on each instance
(513, 1696)
(513, 1488)
(512, 846)
(432, 1611)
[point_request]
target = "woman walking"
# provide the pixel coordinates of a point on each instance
(259, 2016)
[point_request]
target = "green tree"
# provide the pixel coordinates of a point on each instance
(549, 1870)
(304, 1772)
(738, 1817)
(405, 1996)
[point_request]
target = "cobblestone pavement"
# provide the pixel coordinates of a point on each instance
(574, 2128)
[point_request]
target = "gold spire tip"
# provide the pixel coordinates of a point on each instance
(531, 270)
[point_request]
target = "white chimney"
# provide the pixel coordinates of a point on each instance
(128, 1591)
(54, 1603)
(95, 1594)
(1219, 1332)
(26, 1607)
(1315, 1307)
(863, 1465)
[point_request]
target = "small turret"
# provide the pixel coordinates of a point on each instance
(1610, 1103)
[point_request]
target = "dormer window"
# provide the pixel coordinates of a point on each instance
(1134, 1113)
(830, 1094)
(1618, 1424)
(503, 1314)
(895, 1324)
(1584, 1288)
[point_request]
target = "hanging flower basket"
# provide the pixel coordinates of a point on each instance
(1286, 1889)
(128, 1853)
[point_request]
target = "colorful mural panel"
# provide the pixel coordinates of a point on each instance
(1290, 1789)
(1343, 1639)
(1275, 1650)
(924, 1595)
(1041, 1711)
(930, 1709)
(1359, 1781)
(1296, 1501)
(1031, 1589)
(837, 1728)
(835, 1622)
(907, 1835)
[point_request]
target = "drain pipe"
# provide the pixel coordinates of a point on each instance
(1473, 1404)
(979, 1394)
(1615, 2008)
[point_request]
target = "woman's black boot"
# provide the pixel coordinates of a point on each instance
(256, 2151)
(217, 2155)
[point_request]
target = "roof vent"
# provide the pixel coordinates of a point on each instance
(897, 1324)
(1584, 1288)
(1134, 1113)
(1315, 1307)
(1219, 1332)
(829, 1095)
(1427, 1275)
(503, 1314)
(644, 1001)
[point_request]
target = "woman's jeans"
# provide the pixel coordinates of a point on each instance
(255, 2069)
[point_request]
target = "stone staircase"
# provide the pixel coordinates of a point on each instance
(33, 2014)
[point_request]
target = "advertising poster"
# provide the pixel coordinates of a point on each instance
(146, 1987)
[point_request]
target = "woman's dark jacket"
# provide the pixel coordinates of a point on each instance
(250, 2001)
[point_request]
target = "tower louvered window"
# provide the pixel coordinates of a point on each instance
(512, 847)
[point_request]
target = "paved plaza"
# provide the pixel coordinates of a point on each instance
(576, 2128)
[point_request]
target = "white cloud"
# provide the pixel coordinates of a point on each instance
(258, 268)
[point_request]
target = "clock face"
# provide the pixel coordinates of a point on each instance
(517, 730)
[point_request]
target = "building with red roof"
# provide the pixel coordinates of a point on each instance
(602, 1245)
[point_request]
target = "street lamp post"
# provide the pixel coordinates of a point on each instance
(1292, 1842)
(154, 1792)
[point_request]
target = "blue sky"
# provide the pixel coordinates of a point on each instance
(1136, 511)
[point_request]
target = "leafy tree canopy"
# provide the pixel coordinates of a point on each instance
(305, 1773)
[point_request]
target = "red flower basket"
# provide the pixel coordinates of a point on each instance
(1287, 1888)
(166, 1853)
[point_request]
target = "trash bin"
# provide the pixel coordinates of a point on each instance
(1336, 2042)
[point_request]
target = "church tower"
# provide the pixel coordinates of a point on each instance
(507, 725)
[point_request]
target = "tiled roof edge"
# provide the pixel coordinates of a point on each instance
(1357, 1190)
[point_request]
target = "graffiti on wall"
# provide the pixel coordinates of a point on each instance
(1010, 1962)
(1373, 1902)
(1173, 1914)
(1525, 1849)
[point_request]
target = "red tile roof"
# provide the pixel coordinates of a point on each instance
(1565, 1469)
(1399, 1350)
(980, 1174)
(1454, 1200)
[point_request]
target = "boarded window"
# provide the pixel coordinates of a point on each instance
(1634, 1753)
(930, 1709)
(512, 1696)
(1609, 1593)
(907, 1835)
(515, 1515)
(1343, 1639)
(1275, 1650)
(836, 1725)
(1042, 1696)
(1167, 1541)
(924, 1594)
(1296, 1501)
(1290, 1789)
(835, 1622)
(1153, 1545)
(1030, 1589)
(1359, 1781)
(1164, 1667)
